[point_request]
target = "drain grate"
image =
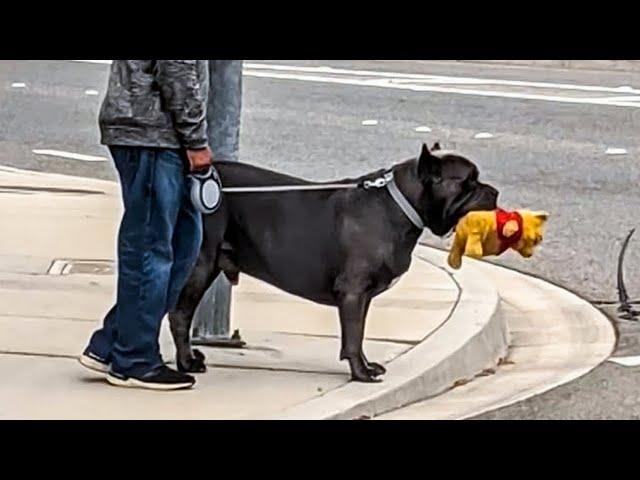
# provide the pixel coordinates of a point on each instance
(71, 266)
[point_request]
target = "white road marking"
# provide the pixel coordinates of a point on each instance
(615, 151)
(91, 92)
(369, 122)
(423, 129)
(439, 78)
(18, 85)
(74, 156)
(384, 83)
(632, 361)
(625, 98)
(438, 83)
(106, 62)
(422, 76)
(483, 135)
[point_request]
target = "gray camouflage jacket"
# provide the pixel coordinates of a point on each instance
(156, 103)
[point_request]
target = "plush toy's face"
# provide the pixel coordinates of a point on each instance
(533, 224)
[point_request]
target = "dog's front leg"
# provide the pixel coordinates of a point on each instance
(352, 310)
(374, 368)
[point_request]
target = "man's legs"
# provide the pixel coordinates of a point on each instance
(153, 184)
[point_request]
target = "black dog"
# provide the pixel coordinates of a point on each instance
(339, 247)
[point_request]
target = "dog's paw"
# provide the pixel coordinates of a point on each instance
(365, 378)
(361, 372)
(376, 369)
(365, 375)
(193, 364)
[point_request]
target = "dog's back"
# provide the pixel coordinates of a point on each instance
(293, 239)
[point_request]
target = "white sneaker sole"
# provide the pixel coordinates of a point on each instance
(92, 364)
(133, 383)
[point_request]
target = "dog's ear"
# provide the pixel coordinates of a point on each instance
(436, 147)
(428, 164)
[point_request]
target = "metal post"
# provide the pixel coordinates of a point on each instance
(212, 317)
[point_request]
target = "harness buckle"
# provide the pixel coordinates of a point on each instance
(378, 182)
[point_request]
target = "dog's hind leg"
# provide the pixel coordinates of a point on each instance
(352, 308)
(202, 276)
(180, 319)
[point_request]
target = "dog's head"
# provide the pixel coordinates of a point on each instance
(451, 189)
(533, 224)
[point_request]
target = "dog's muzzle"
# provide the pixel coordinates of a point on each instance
(206, 190)
(485, 197)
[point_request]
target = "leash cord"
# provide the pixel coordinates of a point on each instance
(289, 188)
(385, 180)
(366, 184)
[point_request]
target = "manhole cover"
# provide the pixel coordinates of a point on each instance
(78, 266)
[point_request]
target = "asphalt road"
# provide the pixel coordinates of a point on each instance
(545, 153)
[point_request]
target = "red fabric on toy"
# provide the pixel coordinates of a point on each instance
(502, 217)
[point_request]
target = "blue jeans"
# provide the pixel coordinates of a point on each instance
(158, 244)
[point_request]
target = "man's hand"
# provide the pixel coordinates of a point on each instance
(199, 159)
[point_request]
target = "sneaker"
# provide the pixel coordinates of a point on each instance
(162, 378)
(93, 362)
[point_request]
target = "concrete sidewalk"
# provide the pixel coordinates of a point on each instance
(434, 330)
(57, 280)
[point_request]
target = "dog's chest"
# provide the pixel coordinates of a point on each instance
(393, 272)
(382, 287)
(394, 281)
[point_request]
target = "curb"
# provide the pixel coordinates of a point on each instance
(556, 337)
(472, 339)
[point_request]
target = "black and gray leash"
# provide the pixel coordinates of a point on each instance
(206, 191)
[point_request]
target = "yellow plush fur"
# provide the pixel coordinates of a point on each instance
(477, 236)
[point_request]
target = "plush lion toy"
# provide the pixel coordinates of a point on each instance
(483, 233)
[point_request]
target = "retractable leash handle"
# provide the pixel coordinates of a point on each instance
(206, 190)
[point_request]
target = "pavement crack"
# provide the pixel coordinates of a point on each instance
(209, 364)
(38, 354)
(369, 339)
(46, 317)
(270, 369)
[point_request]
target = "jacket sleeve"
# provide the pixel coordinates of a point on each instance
(181, 93)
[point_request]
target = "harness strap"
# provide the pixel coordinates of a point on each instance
(404, 204)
